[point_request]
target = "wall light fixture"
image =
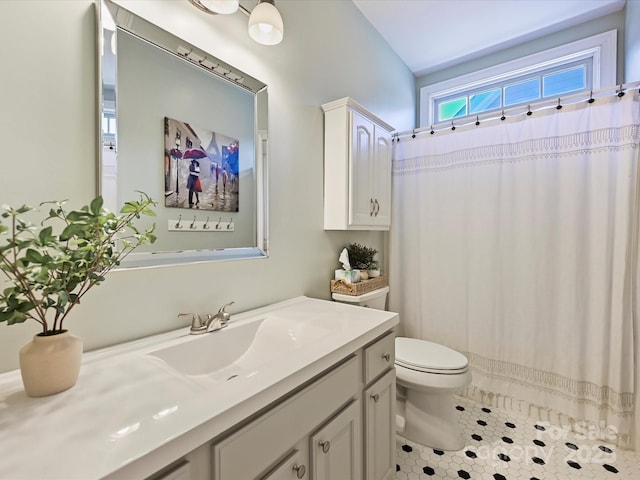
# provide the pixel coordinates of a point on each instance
(265, 22)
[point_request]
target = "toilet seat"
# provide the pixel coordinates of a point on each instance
(428, 357)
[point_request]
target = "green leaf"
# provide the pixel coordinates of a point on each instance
(96, 205)
(24, 209)
(34, 256)
(25, 307)
(45, 236)
(77, 216)
(129, 207)
(16, 317)
(71, 230)
(5, 315)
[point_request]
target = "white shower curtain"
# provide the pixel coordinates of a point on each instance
(515, 243)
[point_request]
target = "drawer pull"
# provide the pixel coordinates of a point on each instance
(300, 470)
(375, 397)
(325, 446)
(386, 356)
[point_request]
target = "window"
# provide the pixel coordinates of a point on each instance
(109, 125)
(580, 66)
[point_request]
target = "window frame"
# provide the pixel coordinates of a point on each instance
(601, 48)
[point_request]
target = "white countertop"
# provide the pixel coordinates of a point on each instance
(130, 414)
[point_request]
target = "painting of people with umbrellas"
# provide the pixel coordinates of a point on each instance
(202, 171)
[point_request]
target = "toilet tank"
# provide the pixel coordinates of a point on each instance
(375, 299)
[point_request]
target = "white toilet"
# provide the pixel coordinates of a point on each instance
(428, 375)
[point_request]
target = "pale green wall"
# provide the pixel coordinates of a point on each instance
(609, 22)
(48, 142)
(632, 41)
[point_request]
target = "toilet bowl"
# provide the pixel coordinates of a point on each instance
(431, 374)
(428, 376)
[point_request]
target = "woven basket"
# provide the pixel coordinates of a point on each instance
(365, 286)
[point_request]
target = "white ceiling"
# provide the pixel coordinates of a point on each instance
(433, 34)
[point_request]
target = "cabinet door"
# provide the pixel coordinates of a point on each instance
(381, 178)
(336, 451)
(294, 467)
(361, 203)
(380, 415)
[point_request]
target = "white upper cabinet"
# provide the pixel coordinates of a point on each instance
(357, 168)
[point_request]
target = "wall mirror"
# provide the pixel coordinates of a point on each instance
(190, 131)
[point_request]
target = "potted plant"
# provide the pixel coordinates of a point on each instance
(49, 273)
(361, 258)
(374, 270)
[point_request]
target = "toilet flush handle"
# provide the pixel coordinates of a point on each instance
(375, 397)
(386, 356)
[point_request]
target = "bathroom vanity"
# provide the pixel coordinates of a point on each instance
(304, 388)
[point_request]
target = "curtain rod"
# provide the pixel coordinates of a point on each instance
(556, 103)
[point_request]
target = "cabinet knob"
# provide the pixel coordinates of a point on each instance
(300, 470)
(386, 356)
(375, 397)
(325, 446)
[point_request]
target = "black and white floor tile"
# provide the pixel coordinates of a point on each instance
(501, 445)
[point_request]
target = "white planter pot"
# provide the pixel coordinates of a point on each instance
(50, 364)
(374, 273)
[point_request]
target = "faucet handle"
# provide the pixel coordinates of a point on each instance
(196, 322)
(224, 316)
(225, 306)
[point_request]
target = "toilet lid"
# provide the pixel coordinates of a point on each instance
(428, 356)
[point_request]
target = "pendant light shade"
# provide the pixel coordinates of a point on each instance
(224, 7)
(265, 23)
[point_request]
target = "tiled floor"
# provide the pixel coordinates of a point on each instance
(500, 445)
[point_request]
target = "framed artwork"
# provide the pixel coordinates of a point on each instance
(200, 168)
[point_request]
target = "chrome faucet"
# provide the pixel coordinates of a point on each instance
(219, 320)
(211, 324)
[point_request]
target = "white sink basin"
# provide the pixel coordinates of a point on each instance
(239, 349)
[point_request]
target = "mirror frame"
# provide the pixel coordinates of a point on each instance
(155, 36)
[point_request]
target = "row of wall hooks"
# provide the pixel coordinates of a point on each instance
(619, 92)
(221, 225)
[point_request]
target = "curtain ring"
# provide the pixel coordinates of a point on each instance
(620, 92)
(558, 107)
(477, 120)
(529, 112)
(503, 117)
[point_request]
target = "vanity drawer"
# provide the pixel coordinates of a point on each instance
(253, 449)
(378, 357)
